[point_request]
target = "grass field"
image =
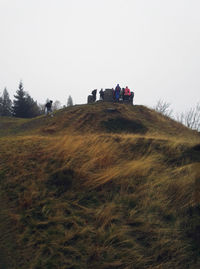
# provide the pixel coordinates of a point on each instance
(99, 186)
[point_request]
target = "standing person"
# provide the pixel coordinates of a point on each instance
(113, 94)
(117, 92)
(127, 93)
(122, 93)
(94, 94)
(101, 92)
(49, 108)
(131, 97)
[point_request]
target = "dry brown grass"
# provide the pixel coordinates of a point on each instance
(103, 200)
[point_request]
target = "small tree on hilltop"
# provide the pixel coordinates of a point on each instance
(5, 104)
(56, 105)
(69, 101)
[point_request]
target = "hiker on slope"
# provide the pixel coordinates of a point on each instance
(48, 107)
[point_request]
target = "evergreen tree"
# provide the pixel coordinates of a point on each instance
(1, 105)
(33, 109)
(24, 106)
(19, 104)
(5, 104)
(69, 101)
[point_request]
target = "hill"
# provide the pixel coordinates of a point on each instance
(95, 118)
(99, 186)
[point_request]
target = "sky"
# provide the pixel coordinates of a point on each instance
(70, 47)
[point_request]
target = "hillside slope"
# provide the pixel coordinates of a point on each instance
(100, 186)
(95, 118)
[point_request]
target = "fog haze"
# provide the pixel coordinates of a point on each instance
(69, 47)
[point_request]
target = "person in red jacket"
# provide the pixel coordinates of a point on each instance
(127, 93)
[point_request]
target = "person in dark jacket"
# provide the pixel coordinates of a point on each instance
(131, 97)
(48, 107)
(101, 92)
(94, 94)
(122, 93)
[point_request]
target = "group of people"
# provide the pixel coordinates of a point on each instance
(119, 94)
(124, 94)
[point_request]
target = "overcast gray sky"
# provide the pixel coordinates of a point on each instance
(69, 47)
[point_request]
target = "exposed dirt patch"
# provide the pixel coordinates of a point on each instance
(124, 125)
(196, 147)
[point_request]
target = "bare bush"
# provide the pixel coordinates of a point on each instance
(56, 105)
(163, 108)
(190, 118)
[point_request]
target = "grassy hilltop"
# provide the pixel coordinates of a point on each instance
(106, 186)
